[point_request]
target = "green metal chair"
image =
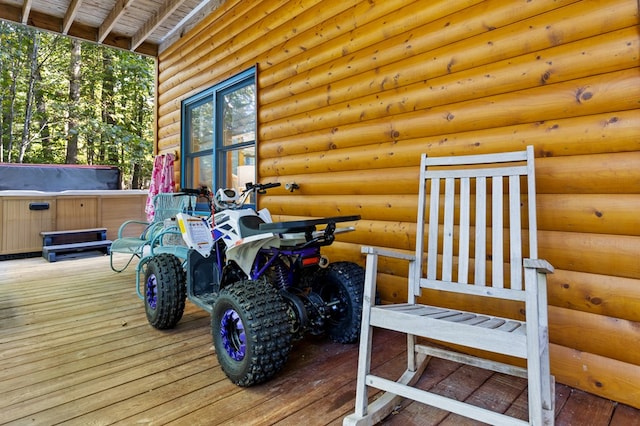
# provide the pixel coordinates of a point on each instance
(136, 245)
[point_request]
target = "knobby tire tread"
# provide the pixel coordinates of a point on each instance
(264, 315)
(171, 291)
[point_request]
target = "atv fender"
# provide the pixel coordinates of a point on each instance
(244, 252)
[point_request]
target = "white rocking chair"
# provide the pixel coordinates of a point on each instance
(476, 248)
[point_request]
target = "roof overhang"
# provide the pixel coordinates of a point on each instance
(143, 26)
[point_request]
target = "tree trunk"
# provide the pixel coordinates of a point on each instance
(43, 121)
(10, 114)
(28, 114)
(108, 82)
(136, 178)
(74, 98)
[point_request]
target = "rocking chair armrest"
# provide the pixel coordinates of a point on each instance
(129, 222)
(540, 265)
(387, 253)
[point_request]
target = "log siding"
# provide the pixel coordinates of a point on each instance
(351, 92)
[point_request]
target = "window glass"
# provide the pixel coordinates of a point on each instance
(200, 171)
(240, 167)
(200, 127)
(239, 115)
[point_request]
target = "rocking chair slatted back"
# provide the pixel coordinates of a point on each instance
(472, 199)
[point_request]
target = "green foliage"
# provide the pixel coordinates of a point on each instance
(112, 121)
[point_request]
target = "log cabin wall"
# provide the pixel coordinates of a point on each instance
(351, 92)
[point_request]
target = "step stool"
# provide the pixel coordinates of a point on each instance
(73, 241)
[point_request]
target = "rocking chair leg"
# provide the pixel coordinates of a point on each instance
(387, 403)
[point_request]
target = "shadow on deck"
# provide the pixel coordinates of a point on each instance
(75, 348)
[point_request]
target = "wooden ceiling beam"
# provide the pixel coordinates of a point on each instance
(26, 10)
(115, 14)
(70, 15)
(52, 24)
(156, 20)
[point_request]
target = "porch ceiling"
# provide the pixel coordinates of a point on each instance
(144, 26)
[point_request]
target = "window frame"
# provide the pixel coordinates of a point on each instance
(218, 151)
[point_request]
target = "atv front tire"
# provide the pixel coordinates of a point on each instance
(164, 291)
(250, 329)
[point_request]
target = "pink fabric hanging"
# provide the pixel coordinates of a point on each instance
(161, 180)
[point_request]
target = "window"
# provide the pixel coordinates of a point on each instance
(219, 135)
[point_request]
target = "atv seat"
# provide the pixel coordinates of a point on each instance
(250, 225)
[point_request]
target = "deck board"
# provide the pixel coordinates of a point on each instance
(76, 349)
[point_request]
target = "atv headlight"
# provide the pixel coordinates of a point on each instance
(227, 195)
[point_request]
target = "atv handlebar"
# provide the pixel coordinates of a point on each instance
(260, 188)
(203, 191)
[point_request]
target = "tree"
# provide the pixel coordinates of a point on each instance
(65, 101)
(74, 98)
(28, 113)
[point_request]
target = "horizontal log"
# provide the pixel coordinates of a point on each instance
(169, 129)
(614, 255)
(590, 213)
(593, 95)
(339, 252)
(613, 51)
(595, 374)
(593, 134)
(592, 333)
(363, 182)
(589, 174)
(401, 208)
(598, 294)
(169, 145)
(171, 118)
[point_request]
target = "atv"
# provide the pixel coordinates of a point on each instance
(264, 283)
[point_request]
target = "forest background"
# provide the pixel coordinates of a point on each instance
(70, 102)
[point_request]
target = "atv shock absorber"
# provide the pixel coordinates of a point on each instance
(281, 279)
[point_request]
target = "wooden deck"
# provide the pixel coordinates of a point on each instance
(75, 348)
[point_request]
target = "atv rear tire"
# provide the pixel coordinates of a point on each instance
(340, 286)
(250, 329)
(164, 291)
